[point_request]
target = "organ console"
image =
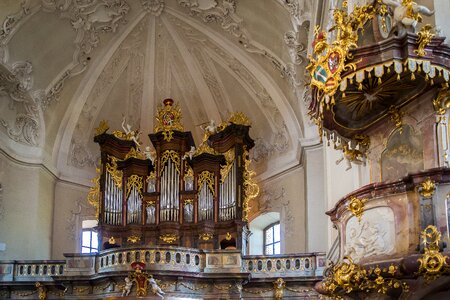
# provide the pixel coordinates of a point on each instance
(178, 194)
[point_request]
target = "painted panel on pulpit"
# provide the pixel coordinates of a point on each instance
(372, 236)
(403, 154)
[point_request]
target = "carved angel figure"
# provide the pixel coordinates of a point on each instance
(211, 128)
(155, 288)
(150, 154)
(127, 288)
(407, 14)
(189, 154)
(131, 134)
(350, 155)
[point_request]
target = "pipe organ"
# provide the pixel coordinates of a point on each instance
(177, 194)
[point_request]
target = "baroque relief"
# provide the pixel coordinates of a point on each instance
(264, 148)
(155, 7)
(129, 58)
(21, 118)
(224, 13)
(88, 19)
(374, 235)
(80, 212)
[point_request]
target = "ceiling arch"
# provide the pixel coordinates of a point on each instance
(150, 50)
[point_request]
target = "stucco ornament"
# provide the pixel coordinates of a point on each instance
(88, 19)
(155, 7)
(21, 118)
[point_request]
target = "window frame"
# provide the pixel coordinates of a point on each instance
(90, 248)
(265, 244)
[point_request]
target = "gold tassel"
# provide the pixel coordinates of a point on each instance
(343, 95)
(413, 77)
(432, 82)
(360, 87)
(370, 75)
(398, 76)
(379, 80)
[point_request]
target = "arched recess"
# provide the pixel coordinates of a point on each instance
(257, 226)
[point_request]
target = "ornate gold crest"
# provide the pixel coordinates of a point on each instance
(168, 119)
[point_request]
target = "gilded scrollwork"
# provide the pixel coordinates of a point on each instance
(356, 206)
(207, 177)
(229, 158)
(427, 188)
(133, 239)
(134, 181)
(116, 174)
(94, 193)
(432, 263)
(168, 238)
(174, 156)
(251, 189)
(424, 38)
(347, 277)
(102, 127)
(168, 119)
(205, 236)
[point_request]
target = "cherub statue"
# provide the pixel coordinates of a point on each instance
(189, 154)
(150, 154)
(407, 14)
(130, 134)
(155, 288)
(350, 155)
(127, 288)
(211, 128)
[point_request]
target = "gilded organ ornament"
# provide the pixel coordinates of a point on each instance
(169, 238)
(168, 119)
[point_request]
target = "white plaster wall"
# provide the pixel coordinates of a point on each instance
(316, 206)
(71, 208)
(442, 8)
(340, 182)
(285, 194)
(27, 218)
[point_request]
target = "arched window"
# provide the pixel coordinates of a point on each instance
(89, 237)
(272, 239)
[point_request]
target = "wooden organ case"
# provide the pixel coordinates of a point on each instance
(177, 194)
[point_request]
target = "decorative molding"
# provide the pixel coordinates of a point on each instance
(224, 13)
(76, 216)
(297, 51)
(24, 127)
(129, 59)
(88, 20)
(154, 7)
(264, 148)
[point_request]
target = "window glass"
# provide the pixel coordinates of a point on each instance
(269, 236)
(277, 249)
(272, 238)
(276, 233)
(89, 237)
(86, 239)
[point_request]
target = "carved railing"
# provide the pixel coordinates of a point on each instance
(31, 270)
(305, 265)
(167, 260)
(159, 258)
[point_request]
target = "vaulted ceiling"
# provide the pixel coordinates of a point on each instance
(67, 64)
